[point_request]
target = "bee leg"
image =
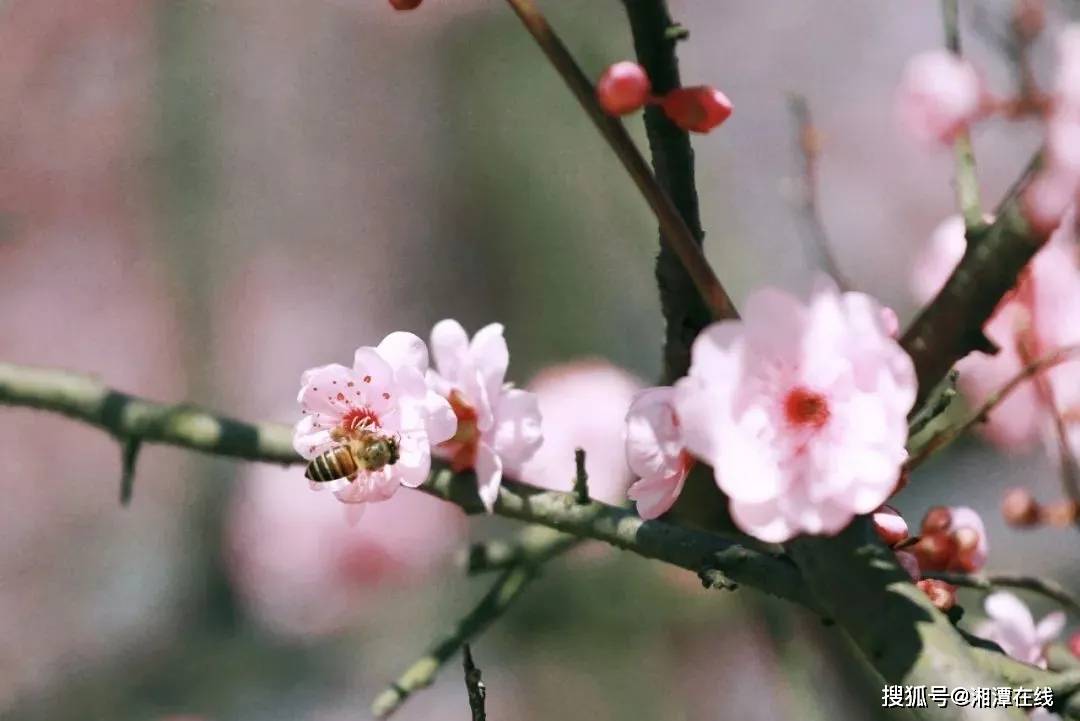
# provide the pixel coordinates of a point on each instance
(351, 478)
(338, 434)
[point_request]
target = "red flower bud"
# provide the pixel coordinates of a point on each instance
(941, 594)
(405, 4)
(697, 109)
(1074, 644)
(623, 88)
(934, 551)
(1020, 508)
(1060, 514)
(936, 519)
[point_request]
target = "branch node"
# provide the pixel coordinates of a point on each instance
(581, 477)
(474, 685)
(129, 455)
(714, 578)
(676, 33)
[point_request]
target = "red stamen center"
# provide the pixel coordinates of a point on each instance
(804, 407)
(462, 447)
(357, 418)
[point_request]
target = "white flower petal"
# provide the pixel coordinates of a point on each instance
(489, 471)
(401, 349)
(450, 348)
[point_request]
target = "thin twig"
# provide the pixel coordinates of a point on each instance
(532, 545)
(129, 455)
(937, 404)
(809, 141)
(673, 226)
(948, 435)
(474, 685)
(989, 581)
(967, 181)
(422, 672)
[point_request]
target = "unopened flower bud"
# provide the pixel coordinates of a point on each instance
(405, 4)
(936, 519)
(890, 525)
(934, 551)
(1060, 514)
(1074, 644)
(1020, 508)
(940, 593)
(698, 109)
(623, 88)
(1028, 18)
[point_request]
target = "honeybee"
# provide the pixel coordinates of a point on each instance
(356, 451)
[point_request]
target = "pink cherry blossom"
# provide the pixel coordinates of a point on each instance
(800, 409)
(304, 571)
(584, 404)
(385, 393)
(939, 95)
(1011, 626)
(498, 426)
(655, 452)
(1039, 316)
(890, 525)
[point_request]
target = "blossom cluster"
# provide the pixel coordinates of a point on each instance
(941, 95)
(800, 409)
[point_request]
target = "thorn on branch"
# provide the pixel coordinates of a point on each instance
(581, 477)
(677, 33)
(475, 686)
(130, 454)
(713, 578)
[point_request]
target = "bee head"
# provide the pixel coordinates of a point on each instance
(382, 452)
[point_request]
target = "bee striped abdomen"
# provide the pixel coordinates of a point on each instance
(333, 464)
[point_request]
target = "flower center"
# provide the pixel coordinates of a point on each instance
(462, 447)
(804, 407)
(356, 419)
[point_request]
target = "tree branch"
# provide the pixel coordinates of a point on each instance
(680, 242)
(531, 546)
(673, 161)
(989, 581)
(950, 327)
(475, 686)
(128, 417)
(421, 673)
(967, 181)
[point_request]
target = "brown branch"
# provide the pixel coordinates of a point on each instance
(948, 435)
(989, 581)
(950, 327)
(809, 141)
(474, 685)
(678, 237)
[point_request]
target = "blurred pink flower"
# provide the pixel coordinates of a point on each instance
(967, 529)
(1039, 316)
(303, 570)
(584, 404)
(800, 409)
(655, 451)
(1051, 193)
(498, 426)
(1011, 626)
(384, 392)
(939, 95)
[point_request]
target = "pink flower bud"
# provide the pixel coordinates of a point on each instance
(890, 525)
(1019, 508)
(1074, 644)
(405, 4)
(936, 519)
(941, 594)
(623, 88)
(698, 109)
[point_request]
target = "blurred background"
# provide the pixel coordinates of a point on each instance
(198, 200)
